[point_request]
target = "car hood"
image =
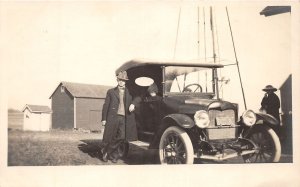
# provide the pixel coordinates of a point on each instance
(191, 105)
(211, 104)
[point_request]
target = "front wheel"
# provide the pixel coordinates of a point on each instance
(268, 145)
(175, 147)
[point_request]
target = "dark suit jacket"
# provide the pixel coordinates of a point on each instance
(109, 114)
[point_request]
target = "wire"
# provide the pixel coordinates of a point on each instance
(204, 33)
(237, 62)
(217, 35)
(218, 46)
(198, 42)
(212, 32)
(230, 64)
(178, 22)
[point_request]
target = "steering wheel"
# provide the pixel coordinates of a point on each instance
(187, 89)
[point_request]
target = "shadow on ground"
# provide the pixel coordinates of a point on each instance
(91, 147)
(141, 156)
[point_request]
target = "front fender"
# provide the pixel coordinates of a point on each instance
(262, 119)
(266, 119)
(181, 120)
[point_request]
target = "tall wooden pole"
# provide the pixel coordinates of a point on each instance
(215, 72)
(213, 34)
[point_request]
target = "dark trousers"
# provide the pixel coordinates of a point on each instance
(112, 147)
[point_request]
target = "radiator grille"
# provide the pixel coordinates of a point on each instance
(221, 133)
(221, 125)
(228, 115)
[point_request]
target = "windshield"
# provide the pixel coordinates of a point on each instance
(188, 80)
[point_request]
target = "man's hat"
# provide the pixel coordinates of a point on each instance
(269, 88)
(123, 76)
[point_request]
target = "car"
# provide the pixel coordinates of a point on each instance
(188, 120)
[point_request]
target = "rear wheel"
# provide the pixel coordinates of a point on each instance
(175, 147)
(268, 145)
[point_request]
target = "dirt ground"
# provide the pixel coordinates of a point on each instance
(66, 148)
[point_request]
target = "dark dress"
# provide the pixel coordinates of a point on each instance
(271, 104)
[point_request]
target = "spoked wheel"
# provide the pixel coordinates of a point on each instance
(123, 149)
(175, 147)
(268, 145)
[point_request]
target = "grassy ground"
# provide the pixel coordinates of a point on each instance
(67, 148)
(53, 148)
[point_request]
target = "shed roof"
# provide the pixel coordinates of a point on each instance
(37, 108)
(274, 10)
(84, 90)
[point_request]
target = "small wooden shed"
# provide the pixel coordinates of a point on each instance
(37, 118)
(77, 106)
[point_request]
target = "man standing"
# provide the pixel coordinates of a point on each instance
(117, 111)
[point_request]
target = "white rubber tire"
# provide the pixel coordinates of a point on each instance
(184, 138)
(275, 141)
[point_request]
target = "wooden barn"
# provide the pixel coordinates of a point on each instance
(77, 106)
(37, 118)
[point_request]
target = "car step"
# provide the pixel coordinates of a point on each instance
(141, 144)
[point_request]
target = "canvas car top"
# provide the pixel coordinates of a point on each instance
(143, 62)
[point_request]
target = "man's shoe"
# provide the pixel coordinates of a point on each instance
(102, 150)
(104, 157)
(114, 160)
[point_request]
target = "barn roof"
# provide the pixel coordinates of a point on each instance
(84, 90)
(274, 10)
(37, 108)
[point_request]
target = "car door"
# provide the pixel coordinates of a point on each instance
(150, 116)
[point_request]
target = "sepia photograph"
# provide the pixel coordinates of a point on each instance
(100, 90)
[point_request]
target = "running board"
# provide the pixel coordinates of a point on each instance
(143, 145)
(220, 157)
(148, 133)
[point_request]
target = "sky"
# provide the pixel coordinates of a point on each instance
(49, 42)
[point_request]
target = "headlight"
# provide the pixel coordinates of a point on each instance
(249, 117)
(201, 118)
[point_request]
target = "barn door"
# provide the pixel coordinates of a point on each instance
(95, 120)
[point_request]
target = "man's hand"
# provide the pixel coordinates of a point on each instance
(131, 108)
(103, 123)
(262, 110)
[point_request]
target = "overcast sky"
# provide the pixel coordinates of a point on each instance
(50, 42)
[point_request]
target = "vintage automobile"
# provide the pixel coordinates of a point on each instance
(189, 120)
